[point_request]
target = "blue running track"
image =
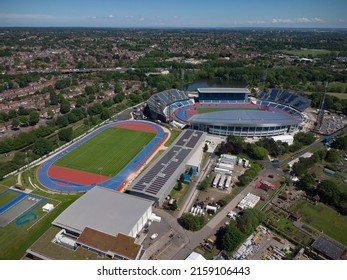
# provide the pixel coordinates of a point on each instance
(117, 182)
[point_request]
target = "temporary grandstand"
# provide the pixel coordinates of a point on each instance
(223, 95)
(158, 180)
(287, 98)
(159, 102)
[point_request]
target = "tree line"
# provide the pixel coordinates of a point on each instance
(329, 191)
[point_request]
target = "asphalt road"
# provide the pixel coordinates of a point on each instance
(196, 238)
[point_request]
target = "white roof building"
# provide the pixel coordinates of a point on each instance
(48, 207)
(195, 257)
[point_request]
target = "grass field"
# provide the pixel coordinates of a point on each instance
(108, 152)
(209, 110)
(324, 219)
(9, 181)
(306, 52)
(173, 135)
(7, 197)
(339, 95)
(14, 240)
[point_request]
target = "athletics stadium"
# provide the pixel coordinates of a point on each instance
(230, 111)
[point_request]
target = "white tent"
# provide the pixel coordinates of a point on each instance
(48, 207)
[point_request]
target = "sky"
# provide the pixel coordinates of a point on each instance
(174, 13)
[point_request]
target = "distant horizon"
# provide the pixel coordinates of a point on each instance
(179, 27)
(175, 14)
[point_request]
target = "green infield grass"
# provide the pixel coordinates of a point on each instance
(7, 197)
(210, 110)
(108, 152)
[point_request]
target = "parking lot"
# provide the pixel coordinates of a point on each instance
(168, 242)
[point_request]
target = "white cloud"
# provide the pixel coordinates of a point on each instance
(141, 19)
(297, 20)
(342, 20)
(110, 16)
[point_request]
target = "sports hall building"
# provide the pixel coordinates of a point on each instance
(102, 223)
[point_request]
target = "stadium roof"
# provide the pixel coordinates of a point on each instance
(158, 180)
(224, 90)
(104, 210)
(157, 102)
(248, 118)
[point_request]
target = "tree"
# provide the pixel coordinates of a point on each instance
(119, 98)
(305, 138)
(15, 124)
(105, 114)
(205, 148)
(340, 143)
(12, 114)
(231, 238)
(257, 151)
(62, 121)
(61, 84)
(174, 205)
(307, 183)
(72, 117)
(332, 155)
(65, 134)
(24, 120)
(190, 222)
(53, 98)
(23, 111)
(329, 192)
(42, 146)
(96, 109)
(117, 88)
(65, 107)
(80, 102)
(33, 118)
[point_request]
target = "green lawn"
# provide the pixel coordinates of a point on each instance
(339, 95)
(209, 110)
(324, 219)
(9, 181)
(7, 197)
(108, 152)
(306, 52)
(173, 135)
(15, 240)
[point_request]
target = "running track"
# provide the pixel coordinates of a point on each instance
(117, 182)
(183, 113)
